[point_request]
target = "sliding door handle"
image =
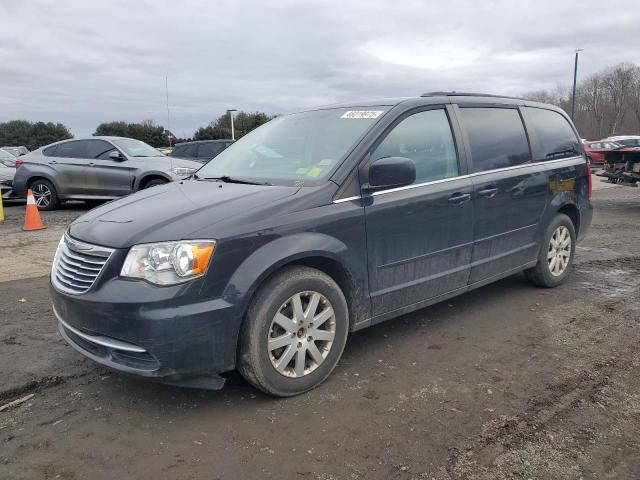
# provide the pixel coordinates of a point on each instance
(488, 192)
(458, 198)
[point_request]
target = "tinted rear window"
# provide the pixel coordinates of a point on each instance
(552, 136)
(496, 137)
(71, 150)
(49, 151)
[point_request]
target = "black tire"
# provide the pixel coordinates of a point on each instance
(154, 183)
(541, 275)
(254, 358)
(45, 201)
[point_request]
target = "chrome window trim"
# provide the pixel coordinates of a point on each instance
(101, 340)
(570, 161)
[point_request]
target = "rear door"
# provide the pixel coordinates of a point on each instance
(106, 177)
(68, 163)
(509, 191)
(419, 237)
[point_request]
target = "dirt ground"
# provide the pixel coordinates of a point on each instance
(508, 381)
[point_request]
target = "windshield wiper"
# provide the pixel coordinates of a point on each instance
(228, 179)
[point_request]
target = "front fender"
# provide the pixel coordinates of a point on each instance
(139, 179)
(263, 262)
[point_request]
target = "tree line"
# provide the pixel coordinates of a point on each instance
(34, 135)
(607, 102)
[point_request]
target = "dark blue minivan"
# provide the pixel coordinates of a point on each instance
(317, 224)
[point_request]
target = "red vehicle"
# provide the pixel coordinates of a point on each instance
(596, 150)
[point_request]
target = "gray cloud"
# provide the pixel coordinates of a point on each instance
(86, 62)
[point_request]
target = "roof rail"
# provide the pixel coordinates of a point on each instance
(465, 94)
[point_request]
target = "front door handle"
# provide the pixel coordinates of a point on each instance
(488, 192)
(52, 162)
(459, 198)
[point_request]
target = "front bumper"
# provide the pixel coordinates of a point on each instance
(136, 328)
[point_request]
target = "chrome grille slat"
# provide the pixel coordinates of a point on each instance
(66, 260)
(86, 260)
(77, 265)
(74, 278)
(77, 270)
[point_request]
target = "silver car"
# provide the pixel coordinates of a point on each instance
(94, 169)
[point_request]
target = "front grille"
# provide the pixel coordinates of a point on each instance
(76, 265)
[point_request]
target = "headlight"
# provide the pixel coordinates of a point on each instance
(183, 171)
(168, 263)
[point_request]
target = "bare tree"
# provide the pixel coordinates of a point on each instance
(590, 100)
(617, 82)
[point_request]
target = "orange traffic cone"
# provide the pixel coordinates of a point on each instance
(32, 220)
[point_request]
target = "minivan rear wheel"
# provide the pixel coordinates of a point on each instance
(557, 251)
(44, 194)
(294, 332)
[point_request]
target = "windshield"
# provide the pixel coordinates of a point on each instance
(136, 148)
(294, 148)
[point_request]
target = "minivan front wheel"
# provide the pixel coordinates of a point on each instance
(294, 332)
(556, 253)
(45, 195)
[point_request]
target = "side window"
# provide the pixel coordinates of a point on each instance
(496, 137)
(596, 145)
(71, 149)
(426, 138)
(50, 151)
(99, 149)
(553, 136)
(209, 150)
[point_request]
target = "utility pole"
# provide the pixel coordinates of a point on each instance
(166, 89)
(230, 112)
(575, 76)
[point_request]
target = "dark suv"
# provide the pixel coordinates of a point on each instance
(94, 169)
(201, 151)
(317, 224)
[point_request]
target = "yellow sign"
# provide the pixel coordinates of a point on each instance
(1, 209)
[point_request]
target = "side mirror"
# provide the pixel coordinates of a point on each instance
(116, 156)
(391, 172)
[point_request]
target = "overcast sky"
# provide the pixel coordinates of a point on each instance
(85, 62)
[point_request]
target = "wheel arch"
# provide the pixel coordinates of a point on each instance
(40, 176)
(571, 211)
(310, 249)
(147, 177)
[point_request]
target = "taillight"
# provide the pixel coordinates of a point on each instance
(590, 179)
(19, 162)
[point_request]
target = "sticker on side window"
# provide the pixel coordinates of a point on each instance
(362, 114)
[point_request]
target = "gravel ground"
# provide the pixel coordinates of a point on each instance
(508, 381)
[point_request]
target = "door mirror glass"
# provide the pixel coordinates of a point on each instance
(391, 172)
(116, 156)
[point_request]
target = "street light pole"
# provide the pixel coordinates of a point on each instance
(575, 76)
(230, 112)
(166, 89)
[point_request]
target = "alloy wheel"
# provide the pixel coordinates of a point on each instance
(41, 195)
(301, 334)
(559, 251)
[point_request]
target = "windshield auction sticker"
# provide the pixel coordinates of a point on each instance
(362, 114)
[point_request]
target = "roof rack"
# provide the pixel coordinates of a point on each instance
(465, 94)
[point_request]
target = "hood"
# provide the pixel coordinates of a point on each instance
(173, 211)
